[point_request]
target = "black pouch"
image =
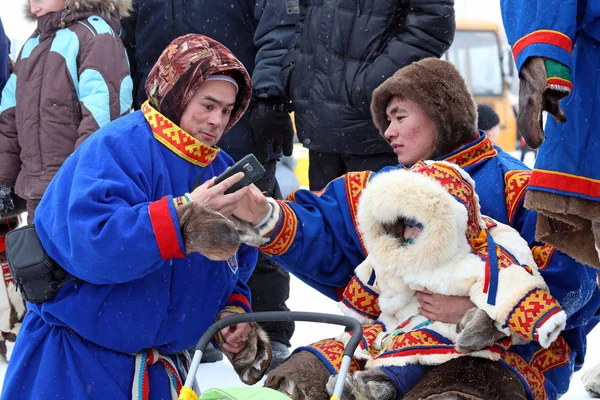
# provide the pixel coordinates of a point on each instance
(37, 276)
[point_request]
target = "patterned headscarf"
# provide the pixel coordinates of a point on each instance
(184, 65)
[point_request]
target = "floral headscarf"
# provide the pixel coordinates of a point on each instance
(182, 68)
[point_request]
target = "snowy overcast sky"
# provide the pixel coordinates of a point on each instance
(18, 29)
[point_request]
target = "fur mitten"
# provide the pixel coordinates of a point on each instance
(207, 232)
(537, 94)
(372, 384)
(469, 378)
(253, 361)
(476, 331)
(301, 377)
(591, 381)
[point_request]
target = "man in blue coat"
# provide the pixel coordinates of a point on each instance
(120, 219)
(555, 45)
(425, 111)
(258, 32)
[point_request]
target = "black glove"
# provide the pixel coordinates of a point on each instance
(271, 123)
(7, 201)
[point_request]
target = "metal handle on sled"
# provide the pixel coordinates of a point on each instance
(350, 323)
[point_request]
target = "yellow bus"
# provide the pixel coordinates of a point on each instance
(478, 55)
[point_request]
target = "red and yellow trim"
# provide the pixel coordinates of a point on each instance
(355, 183)
(543, 255)
(563, 182)
(557, 355)
(331, 353)
(164, 229)
(238, 303)
(177, 140)
(532, 311)
(515, 187)
(361, 299)
(543, 36)
(284, 233)
(474, 154)
(534, 379)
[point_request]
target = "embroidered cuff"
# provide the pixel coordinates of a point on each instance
(181, 200)
(164, 229)
(558, 77)
(280, 230)
(360, 299)
(532, 312)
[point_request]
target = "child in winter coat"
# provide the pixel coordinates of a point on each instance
(70, 79)
(435, 238)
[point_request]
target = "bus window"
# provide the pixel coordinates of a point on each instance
(477, 57)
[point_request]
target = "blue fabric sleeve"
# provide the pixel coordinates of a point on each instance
(326, 247)
(94, 219)
(540, 28)
(4, 58)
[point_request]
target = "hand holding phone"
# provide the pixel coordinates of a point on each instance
(251, 168)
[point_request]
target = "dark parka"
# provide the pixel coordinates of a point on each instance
(70, 79)
(343, 50)
(258, 32)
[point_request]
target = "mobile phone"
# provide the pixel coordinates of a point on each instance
(251, 168)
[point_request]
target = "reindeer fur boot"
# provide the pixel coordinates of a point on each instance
(301, 377)
(468, 378)
(476, 331)
(372, 384)
(207, 232)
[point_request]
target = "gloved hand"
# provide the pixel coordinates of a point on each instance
(207, 232)
(536, 94)
(271, 124)
(7, 201)
(253, 360)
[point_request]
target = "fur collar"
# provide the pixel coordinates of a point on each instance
(103, 7)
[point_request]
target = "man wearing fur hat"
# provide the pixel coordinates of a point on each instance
(555, 46)
(425, 111)
(154, 265)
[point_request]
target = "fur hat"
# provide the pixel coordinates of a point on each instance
(439, 90)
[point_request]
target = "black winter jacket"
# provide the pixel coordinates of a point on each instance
(258, 33)
(343, 50)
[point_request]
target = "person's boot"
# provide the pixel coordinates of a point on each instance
(301, 377)
(211, 355)
(280, 353)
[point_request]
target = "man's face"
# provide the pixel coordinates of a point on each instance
(411, 134)
(43, 7)
(209, 111)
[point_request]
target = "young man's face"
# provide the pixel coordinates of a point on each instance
(43, 7)
(209, 111)
(411, 134)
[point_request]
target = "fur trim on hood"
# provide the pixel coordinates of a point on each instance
(438, 195)
(103, 7)
(440, 91)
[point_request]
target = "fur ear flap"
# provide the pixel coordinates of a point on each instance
(207, 232)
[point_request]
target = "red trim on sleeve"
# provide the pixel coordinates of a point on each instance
(239, 298)
(164, 229)
(543, 36)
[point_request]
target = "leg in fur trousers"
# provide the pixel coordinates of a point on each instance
(469, 378)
